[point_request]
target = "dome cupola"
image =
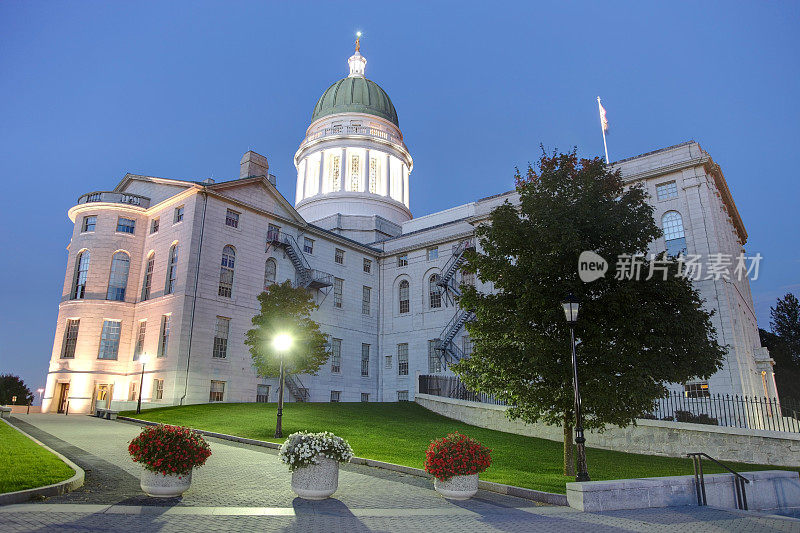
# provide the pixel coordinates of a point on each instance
(353, 160)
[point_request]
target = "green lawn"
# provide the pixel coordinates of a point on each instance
(26, 465)
(400, 433)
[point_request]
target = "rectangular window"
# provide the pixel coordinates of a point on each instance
(467, 346)
(158, 389)
(402, 396)
(273, 233)
(336, 355)
(335, 173)
(109, 339)
(139, 347)
(308, 245)
(388, 362)
(433, 253)
(434, 363)
(402, 260)
(355, 173)
(366, 295)
(338, 285)
(364, 396)
(232, 218)
(367, 266)
(70, 338)
(365, 359)
(665, 191)
(178, 215)
(262, 393)
(402, 359)
(217, 391)
(154, 225)
(221, 337)
(163, 338)
(338, 256)
(126, 225)
(373, 175)
(336, 396)
(696, 390)
(89, 223)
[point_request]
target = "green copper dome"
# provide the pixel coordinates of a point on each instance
(355, 94)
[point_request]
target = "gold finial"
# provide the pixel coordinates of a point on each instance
(358, 41)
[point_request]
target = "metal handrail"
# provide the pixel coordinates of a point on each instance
(700, 483)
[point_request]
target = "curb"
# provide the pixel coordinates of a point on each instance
(510, 490)
(56, 489)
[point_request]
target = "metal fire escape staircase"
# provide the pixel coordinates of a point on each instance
(296, 388)
(449, 352)
(307, 277)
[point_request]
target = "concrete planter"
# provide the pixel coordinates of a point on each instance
(161, 485)
(457, 487)
(316, 482)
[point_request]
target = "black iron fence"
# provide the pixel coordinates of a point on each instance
(729, 411)
(451, 387)
(752, 412)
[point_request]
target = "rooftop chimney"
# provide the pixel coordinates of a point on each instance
(253, 164)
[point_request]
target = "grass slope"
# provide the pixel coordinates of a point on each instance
(26, 465)
(400, 433)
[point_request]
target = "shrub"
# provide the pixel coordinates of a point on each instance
(169, 449)
(702, 418)
(456, 455)
(304, 448)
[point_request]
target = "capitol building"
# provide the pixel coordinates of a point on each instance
(165, 273)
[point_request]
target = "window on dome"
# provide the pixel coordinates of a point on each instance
(355, 173)
(373, 175)
(335, 173)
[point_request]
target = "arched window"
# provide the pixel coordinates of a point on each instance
(226, 272)
(81, 273)
(270, 272)
(674, 235)
(118, 279)
(172, 270)
(334, 173)
(355, 173)
(148, 276)
(404, 297)
(434, 293)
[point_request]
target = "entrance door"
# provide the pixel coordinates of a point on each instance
(102, 396)
(63, 397)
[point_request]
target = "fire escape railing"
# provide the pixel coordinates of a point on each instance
(307, 277)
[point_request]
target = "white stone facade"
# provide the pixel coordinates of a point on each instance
(363, 220)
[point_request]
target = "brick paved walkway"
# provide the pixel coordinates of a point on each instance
(245, 488)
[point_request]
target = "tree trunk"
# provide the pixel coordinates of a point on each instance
(569, 448)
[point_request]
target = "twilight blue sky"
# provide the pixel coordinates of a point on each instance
(92, 90)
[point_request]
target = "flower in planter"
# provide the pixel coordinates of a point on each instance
(304, 448)
(456, 455)
(169, 450)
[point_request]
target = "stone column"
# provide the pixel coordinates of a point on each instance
(321, 171)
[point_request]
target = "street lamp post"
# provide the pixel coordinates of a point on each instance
(143, 360)
(281, 343)
(571, 307)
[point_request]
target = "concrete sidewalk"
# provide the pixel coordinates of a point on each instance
(245, 487)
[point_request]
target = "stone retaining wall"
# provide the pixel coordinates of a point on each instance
(654, 437)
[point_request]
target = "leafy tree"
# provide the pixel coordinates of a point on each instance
(286, 309)
(787, 371)
(636, 336)
(11, 386)
(785, 323)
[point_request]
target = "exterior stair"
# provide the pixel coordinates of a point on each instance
(296, 388)
(448, 278)
(307, 277)
(449, 353)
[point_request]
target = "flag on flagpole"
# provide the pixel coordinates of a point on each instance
(603, 118)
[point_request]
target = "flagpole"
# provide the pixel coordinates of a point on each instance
(603, 129)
